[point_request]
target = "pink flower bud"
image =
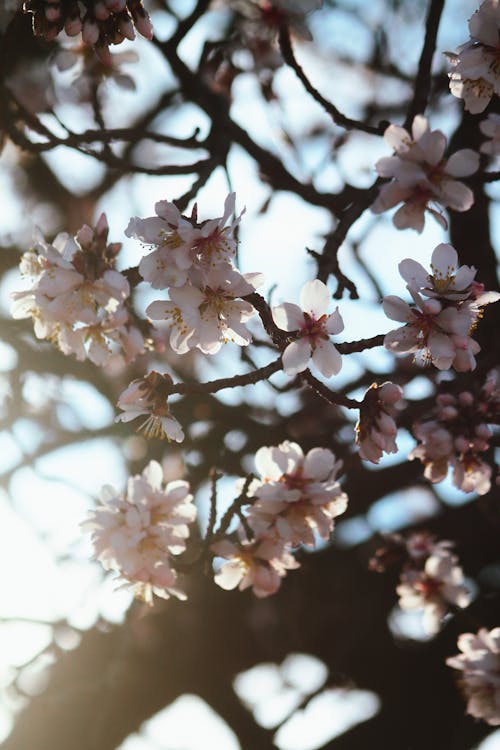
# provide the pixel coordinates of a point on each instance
(390, 393)
(73, 26)
(445, 399)
(143, 25)
(126, 28)
(480, 445)
(100, 11)
(465, 398)
(483, 431)
(90, 33)
(386, 424)
(116, 6)
(448, 413)
(85, 236)
(102, 226)
(52, 13)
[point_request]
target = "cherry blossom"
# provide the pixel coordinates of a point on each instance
(434, 588)
(376, 429)
(457, 435)
(491, 128)
(296, 495)
(209, 312)
(148, 397)
(475, 77)
(136, 533)
(181, 242)
(77, 298)
(265, 17)
(421, 178)
(437, 334)
(446, 281)
(259, 564)
(479, 663)
(313, 327)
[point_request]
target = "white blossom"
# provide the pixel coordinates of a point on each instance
(136, 533)
(446, 280)
(479, 663)
(421, 178)
(181, 243)
(434, 588)
(475, 77)
(296, 496)
(313, 327)
(259, 564)
(208, 312)
(148, 397)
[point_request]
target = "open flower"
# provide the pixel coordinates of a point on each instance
(136, 533)
(259, 564)
(313, 327)
(437, 334)
(447, 280)
(148, 397)
(296, 496)
(433, 589)
(421, 178)
(209, 312)
(475, 77)
(479, 663)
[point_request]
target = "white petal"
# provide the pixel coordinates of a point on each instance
(444, 259)
(326, 358)
(397, 309)
(462, 163)
(296, 356)
(315, 298)
(411, 215)
(229, 575)
(334, 323)
(397, 138)
(413, 273)
(318, 463)
(455, 195)
(288, 317)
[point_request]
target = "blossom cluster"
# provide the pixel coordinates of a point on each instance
(376, 429)
(147, 397)
(101, 23)
(136, 533)
(194, 262)
(457, 434)
(421, 177)
(431, 581)
(475, 77)
(78, 299)
(294, 501)
(479, 664)
(438, 329)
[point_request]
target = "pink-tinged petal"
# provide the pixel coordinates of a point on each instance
(483, 25)
(397, 309)
(270, 463)
(230, 575)
(388, 166)
(402, 340)
(326, 358)
(419, 127)
(288, 317)
(389, 196)
(409, 174)
(464, 277)
(318, 464)
(159, 310)
(315, 298)
(413, 273)
(444, 259)
(296, 356)
(411, 215)
(462, 163)
(440, 346)
(397, 138)
(334, 323)
(440, 218)
(453, 321)
(455, 195)
(433, 145)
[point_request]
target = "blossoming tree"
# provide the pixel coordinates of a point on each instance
(300, 388)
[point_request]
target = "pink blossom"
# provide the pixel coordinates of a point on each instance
(434, 588)
(148, 397)
(260, 564)
(136, 533)
(421, 178)
(296, 495)
(314, 328)
(209, 311)
(445, 281)
(376, 429)
(475, 77)
(479, 663)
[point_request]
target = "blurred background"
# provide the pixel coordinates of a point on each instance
(329, 661)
